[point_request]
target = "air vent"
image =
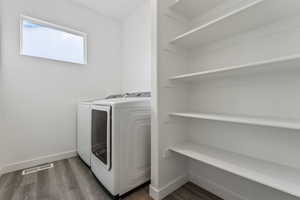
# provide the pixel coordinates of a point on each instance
(37, 169)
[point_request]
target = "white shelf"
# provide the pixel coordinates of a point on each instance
(280, 177)
(240, 20)
(193, 8)
(278, 63)
(270, 122)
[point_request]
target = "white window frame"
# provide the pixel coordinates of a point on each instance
(54, 26)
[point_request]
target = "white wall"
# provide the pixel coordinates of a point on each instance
(136, 40)
(38, 97)
(1, 148)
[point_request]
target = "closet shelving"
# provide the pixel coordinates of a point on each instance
(280, 177)
(190, 9)
(259, 121)
(240, 20)
(272, 64)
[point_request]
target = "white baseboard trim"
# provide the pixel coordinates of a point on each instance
(159, 194)
(215, 188)
(37, 161)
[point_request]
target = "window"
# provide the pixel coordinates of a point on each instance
(45, 40)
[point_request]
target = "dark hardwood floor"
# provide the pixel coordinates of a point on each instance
(72, 180)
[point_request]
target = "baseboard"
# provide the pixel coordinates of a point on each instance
(158, 194)
(215, 188)
(37, 161)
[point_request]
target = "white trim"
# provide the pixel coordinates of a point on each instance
(159, 194)
(154, 193)
(37, 161)
(215, 188)
(55, 26)
(155, 142)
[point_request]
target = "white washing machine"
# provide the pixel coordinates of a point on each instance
(120, 142)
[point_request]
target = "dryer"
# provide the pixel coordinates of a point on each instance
(120, 143)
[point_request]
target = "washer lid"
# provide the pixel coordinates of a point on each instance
(121, 101)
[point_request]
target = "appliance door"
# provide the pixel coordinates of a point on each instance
(101, 134)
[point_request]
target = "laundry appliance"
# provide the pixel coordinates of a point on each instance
(118, 146)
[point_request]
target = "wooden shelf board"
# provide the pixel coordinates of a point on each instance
(258, 121)
(277, 63)
(280, 177)
(193, 8)
(243, 19)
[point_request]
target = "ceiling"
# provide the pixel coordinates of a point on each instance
(117, 9)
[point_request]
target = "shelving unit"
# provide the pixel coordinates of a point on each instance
(263, 33)
(277, 176)
(272, 64)
(269, 122)
(193, 8)
(240, 20)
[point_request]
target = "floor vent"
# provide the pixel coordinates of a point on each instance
(37, 169)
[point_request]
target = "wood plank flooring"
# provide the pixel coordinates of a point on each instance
(71, 180)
